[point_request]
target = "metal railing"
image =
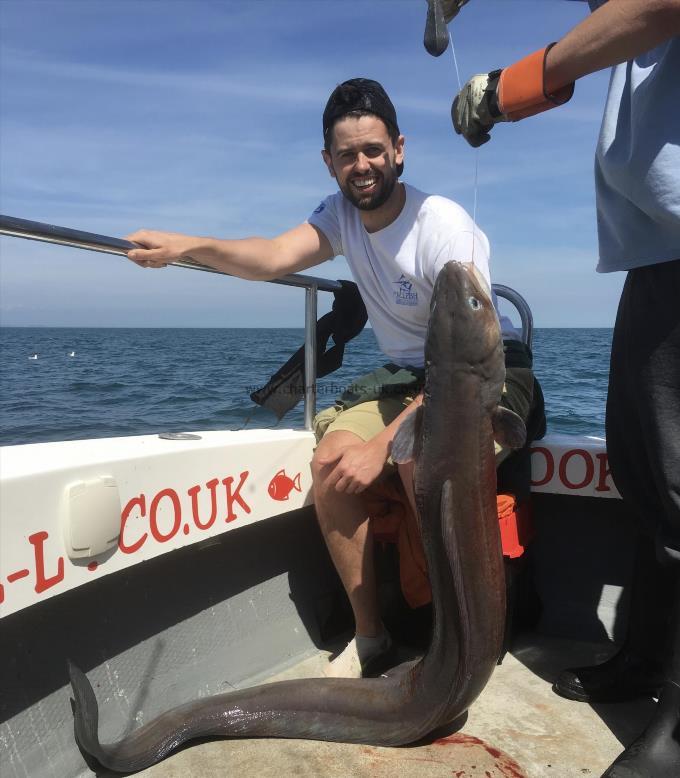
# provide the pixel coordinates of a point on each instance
(64, 236)
(522, 306)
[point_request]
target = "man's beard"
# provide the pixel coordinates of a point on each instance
(378, 198)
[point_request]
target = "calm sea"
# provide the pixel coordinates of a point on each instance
(95, 383)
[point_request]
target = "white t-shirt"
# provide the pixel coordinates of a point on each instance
(396, 267)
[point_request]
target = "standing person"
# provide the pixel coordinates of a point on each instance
(637, 175)
(395, 239)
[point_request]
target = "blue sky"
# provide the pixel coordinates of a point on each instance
(205, 117)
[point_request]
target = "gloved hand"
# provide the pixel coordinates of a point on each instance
(505, 95)
(475, 110)
(451, 8)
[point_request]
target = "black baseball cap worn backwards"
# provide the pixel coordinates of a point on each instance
(358, 95)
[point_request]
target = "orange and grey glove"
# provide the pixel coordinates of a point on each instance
(506, 95)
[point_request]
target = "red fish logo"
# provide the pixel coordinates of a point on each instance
(282, 485)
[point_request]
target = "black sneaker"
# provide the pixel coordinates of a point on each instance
(347, 664)
(623, 677)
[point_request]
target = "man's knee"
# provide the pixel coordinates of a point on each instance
(327, 454)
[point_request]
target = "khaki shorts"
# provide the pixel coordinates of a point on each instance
(368, 419)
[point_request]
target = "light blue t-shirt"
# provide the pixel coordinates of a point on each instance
(637, 163)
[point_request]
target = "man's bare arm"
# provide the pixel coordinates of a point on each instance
(618, 31)
(256, 259)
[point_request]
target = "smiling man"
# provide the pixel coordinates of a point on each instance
(395, 239)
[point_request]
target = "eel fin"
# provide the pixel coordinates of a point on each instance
(508, 429)
(404, 442)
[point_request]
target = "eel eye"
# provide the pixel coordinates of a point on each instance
(474, 303)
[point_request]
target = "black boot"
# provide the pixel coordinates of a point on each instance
(637, 669)
(656, 753)
(625, 676)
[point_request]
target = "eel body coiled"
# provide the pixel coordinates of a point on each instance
(451, 437)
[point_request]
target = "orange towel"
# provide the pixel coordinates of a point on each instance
(392, 521)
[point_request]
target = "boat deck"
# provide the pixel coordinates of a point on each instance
(518, 728)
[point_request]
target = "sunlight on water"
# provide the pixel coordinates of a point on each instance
(94, 383)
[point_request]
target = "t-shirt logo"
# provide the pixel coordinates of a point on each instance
(404, 294)
(320, 208)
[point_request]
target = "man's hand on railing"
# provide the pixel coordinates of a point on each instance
(158, 249)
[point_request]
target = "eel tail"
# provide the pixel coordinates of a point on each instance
(142, 748)
(85, 714)
(382, 711)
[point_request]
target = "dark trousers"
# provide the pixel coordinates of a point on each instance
(643, 403)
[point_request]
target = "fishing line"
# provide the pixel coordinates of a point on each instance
(249, 418)
(455, 61)
(476, 174)
(246, 422)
